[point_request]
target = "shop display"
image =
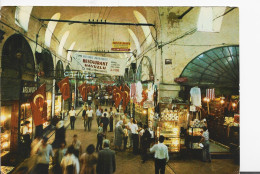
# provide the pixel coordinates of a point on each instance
(58, 104)
(5, 129)
(232, 121)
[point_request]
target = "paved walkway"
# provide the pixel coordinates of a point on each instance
(127, 163)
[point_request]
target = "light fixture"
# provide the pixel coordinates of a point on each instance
(234, 104)
(222, 101)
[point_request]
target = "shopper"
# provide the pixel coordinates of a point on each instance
(89, 99)
(72, 114)
(90, 117)
(70, 163)
(77, 146)
(84, 117)
(59, 154)
(161, 155)
(106, 160)
(119, 135)
(88, 161)
(111, 119)
(36, 143)
(60, 132)
(98, 115)
(100, 136)
(129, 127)
(105, 122)
(134, 130)
(205, 141)
(105, 112)
(125, 136)
(44, 152)
(26, 138)
(145, 143)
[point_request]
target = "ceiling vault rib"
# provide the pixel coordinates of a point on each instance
(86, 51)
(186, 12)
(98, 22)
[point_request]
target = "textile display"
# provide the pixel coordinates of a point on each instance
(210, 94)
(195, 96)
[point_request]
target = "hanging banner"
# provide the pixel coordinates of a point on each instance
(64, 86)
(121, 46)
(83, 91)
(101, 65)
(39, 105)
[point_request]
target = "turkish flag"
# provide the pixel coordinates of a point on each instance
(64, 86)
(126, 96)
(117, 96)
(83, 91)
(38, 104)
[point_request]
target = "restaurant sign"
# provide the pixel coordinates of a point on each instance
(100, 65)
(121, 46)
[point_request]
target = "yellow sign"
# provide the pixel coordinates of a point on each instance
(121, 46)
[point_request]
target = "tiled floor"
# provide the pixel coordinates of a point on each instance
(127, 163)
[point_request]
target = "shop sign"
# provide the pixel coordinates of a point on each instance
(148, 104)
(29, 88)
(181, 80)
(97, 64)
(168, 61)
(121, 46)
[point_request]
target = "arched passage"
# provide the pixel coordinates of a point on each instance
(45, 62)
(145, 70)
(217, 67)
(59, 70)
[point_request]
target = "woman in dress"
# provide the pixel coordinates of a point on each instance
(119, 132)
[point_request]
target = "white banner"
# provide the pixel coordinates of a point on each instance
(97, 64)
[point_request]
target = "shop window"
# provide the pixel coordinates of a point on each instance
(210, 19)
(137, 44)
(62, 42)
(69, 52)
(5, 129)
(22, 16)
(50, 29)
(147, 32)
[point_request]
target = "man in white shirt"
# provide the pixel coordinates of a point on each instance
(134, 130)
(98, 115)
(72, 114)
(161, 156)
(129, 125)
(90, 117)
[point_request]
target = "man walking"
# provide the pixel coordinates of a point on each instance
(72, 114)
(111, 119)
(106, 160)
(161, 156)
(90, 116)
(98, 115)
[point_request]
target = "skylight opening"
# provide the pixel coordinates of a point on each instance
(50, 29)
(137, 44)
(147, 32)
(210, 19)
(62, 42)
(69, 52)
(22, 16)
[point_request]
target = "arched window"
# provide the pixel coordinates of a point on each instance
(50, 29)
(147, 32)
(22, 16)
(69, 52)
(63, 41)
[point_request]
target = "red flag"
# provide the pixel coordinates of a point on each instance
(83, 91)
(126, 96)
(89, 88)
(64, 86)
(39, 105)
(117, 94)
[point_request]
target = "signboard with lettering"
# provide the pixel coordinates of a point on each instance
(29, 87)
(97, 64)
(121, 46)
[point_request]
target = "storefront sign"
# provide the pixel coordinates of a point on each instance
(121, 46)
(101, 65)
(29, 88)
(181, 79)
(148, 104)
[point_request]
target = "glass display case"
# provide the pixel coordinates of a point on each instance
(58, 105)
(171, 132)
(5, 129)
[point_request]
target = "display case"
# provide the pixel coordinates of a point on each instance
(171, 132)
(58, 105)
(194, 138)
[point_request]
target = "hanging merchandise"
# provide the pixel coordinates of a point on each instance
(150, 92)
(39, 105)
(133, 92)
(117, 96)
(83, 91)
(139, 90)
(64, 86)
(195, 96)
(210, 93)
(126, 96)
